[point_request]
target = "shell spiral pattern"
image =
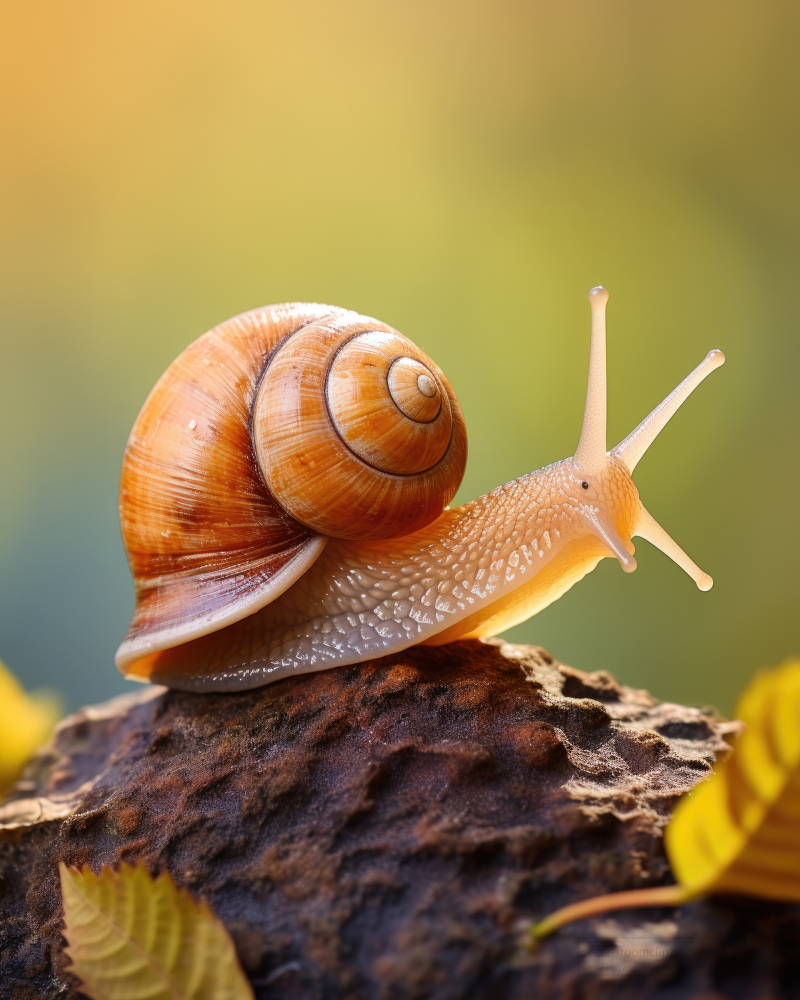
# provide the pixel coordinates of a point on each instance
(277, 429)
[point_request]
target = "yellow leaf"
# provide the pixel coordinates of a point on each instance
(26, 722)
(132, 937)
(738, 832)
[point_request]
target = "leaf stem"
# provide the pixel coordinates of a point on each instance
(662, 895)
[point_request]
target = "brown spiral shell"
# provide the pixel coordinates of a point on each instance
(347, 440)
(276, 429)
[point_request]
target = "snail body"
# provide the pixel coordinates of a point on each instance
(283, 505)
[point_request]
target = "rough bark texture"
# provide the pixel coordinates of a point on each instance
(389, 830)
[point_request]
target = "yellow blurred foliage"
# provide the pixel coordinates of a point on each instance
(738, 832)
(26, 721)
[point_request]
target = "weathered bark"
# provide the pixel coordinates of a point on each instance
(389, 830)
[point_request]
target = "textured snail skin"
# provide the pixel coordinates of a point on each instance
(306, 403)
(477, 570)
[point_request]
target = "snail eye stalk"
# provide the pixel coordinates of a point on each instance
(591, 451)
(631, 449)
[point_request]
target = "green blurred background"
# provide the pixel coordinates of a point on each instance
(464, 171)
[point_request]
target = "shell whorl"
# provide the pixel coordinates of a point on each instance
(358, 433)
(218, 514)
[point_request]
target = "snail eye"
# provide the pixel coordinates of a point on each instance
(585, 486)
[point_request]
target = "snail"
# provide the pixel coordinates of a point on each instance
(284, 504)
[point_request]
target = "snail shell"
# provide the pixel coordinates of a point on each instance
(277, 429)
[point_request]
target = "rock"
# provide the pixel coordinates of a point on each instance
(389, 830)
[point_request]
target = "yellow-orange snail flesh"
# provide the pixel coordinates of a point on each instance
(283, 504)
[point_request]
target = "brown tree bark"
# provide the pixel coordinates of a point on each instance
(390, 830)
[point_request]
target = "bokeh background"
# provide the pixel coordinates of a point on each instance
(464, 170)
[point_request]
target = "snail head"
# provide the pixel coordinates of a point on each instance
(600, 484)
